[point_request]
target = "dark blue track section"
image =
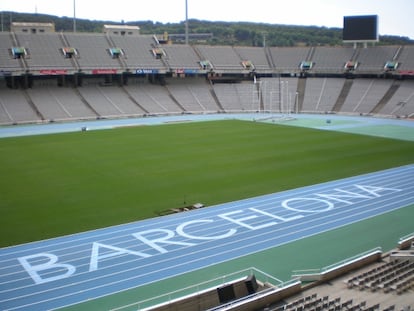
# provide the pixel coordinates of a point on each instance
(67, 270)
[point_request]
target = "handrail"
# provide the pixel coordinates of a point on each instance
(229, 305)
(199, 287)
(337, 264)
(407, 237)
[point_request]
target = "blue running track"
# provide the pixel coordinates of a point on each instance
(67, 270)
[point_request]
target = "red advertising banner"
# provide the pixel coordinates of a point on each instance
(53, 72)
(104, 71)
(406, 72)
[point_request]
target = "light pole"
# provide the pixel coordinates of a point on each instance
(282, 93)
(74, 15)
(186, 22)
(287, 97)
(264, 33)
(297, 102)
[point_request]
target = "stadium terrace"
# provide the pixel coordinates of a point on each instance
(123, 74)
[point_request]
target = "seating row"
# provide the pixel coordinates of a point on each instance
(45, 103)
(395, 276)
(326, 303)
(93, 52)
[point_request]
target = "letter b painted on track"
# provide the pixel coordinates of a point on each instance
(43, 267)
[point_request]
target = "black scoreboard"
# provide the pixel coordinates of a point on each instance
(362, 28)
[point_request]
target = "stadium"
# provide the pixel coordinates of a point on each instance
(139, 174)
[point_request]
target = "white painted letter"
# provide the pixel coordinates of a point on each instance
(375, 190)
(58, 270)
(344, 194)
(328, 204)
(95, 257)
(180, 231)
(282, 219)
(240, 221)
(164, 239)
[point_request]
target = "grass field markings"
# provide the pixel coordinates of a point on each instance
(167, 268)
(240, 203)
(132, 241)
(351, 216)
(215, 227)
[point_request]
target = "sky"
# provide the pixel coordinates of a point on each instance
(395, 16)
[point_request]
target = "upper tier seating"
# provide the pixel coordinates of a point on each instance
(256, 55)
(373, 59)
(92, 51)
(45, 51)
(181, 57)
(222, 58)
(331, 59)
(287, 59)
(138, 52)
(406, 58)
(7, 62)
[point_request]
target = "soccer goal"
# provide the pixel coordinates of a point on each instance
(278, 100)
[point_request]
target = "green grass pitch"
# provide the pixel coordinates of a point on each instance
(59, 184)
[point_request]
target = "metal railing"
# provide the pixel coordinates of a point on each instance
(337, 264)
(199, 288)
